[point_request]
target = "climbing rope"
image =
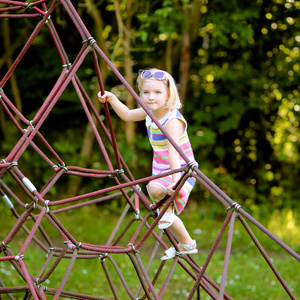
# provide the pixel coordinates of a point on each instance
(39, 208)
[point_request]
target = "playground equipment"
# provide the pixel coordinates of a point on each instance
(31, 203)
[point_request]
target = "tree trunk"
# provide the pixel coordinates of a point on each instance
(123, 47)
(192, 18)
(185, 65)
(89, 137)
(169, 56)
(8, 61)
(128, 63)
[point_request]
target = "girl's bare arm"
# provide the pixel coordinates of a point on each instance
(175, 129)
(126, 114)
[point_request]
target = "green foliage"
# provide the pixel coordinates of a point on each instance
(242, 103)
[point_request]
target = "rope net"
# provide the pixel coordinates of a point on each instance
(35, 209)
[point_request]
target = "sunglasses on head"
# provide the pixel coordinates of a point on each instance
(159, 75)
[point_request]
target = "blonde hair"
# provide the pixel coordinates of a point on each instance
(174, 99)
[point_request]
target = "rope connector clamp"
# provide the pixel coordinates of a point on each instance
(26, 206)
(119, 171)
(91, 41)
(49, 17)
(137, 214)
(133, 248)
(31, 124)
(50, 249)
(18, 257)
(153, 212)
(67, 65)
(138, 187)
(190, 167)
(28, 5)
(63, 166)
(4, 245)
(11, 164)
(46, 206)
(103, 257)
(234, 206)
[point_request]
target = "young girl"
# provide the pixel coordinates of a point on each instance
(159, 93)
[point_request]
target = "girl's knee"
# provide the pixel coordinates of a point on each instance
(156, 191)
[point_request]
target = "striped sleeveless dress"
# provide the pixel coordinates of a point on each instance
(160, 161)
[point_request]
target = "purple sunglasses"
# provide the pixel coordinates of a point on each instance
(159, 75)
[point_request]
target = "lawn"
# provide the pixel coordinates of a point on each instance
(249, 276)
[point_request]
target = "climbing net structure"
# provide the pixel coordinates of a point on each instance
(33, 206)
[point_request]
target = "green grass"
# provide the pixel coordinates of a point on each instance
(249, 276)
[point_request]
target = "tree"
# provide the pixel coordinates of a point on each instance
(237, 64)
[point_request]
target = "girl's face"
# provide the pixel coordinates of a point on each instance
(155, 94)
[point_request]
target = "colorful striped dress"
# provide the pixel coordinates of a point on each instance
(160, 161)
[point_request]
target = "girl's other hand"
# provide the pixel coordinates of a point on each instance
(170, 189)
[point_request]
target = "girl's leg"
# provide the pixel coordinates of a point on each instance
(177, 228)
(158, 193)
(180, 232)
